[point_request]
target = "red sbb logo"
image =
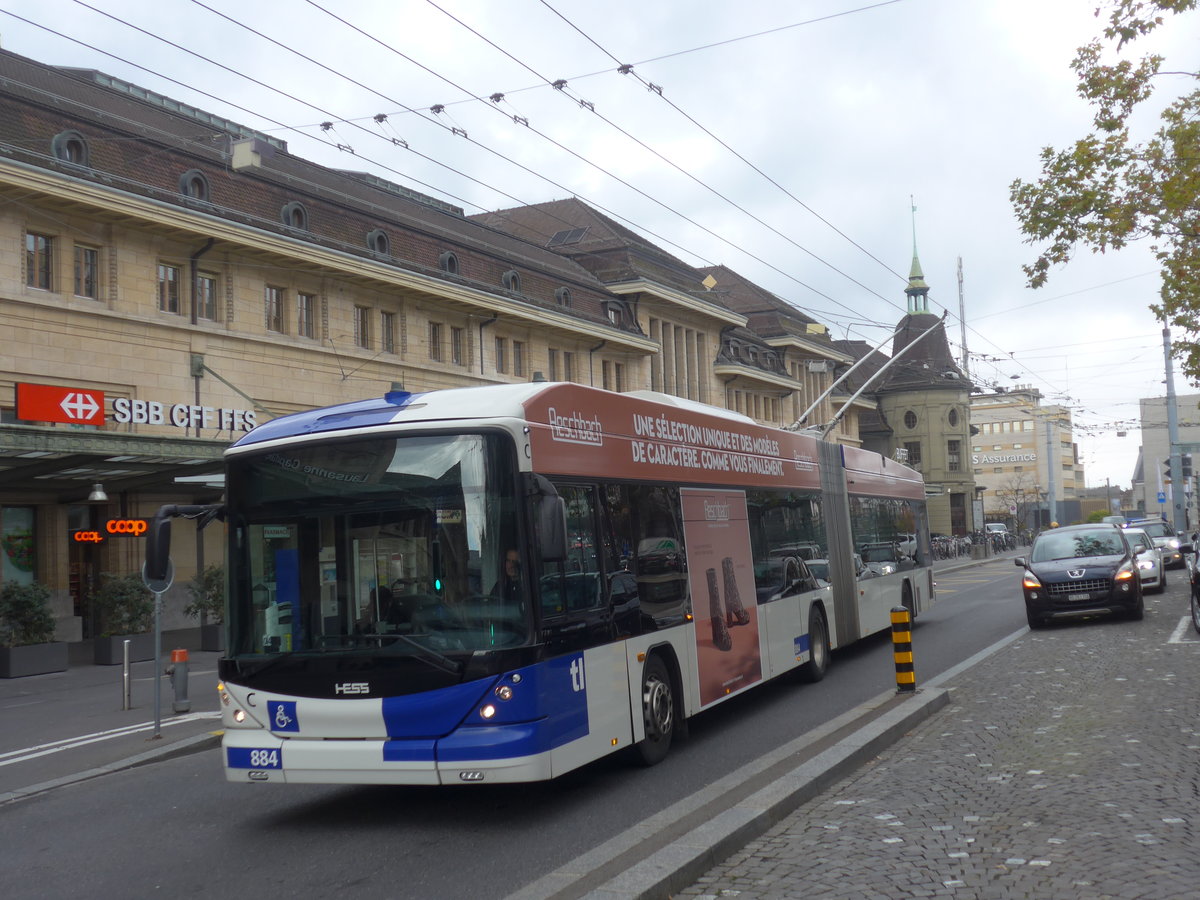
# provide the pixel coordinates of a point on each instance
(131, 527)
(51, 403)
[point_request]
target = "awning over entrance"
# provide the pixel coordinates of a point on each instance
(61, 464)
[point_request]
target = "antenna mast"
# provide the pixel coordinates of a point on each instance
(962, 323)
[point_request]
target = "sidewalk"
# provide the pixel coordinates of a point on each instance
(69, 726)
(1063, 767)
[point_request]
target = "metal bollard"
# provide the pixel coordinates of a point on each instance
(178, 670)
(906, 676)
(126, 680)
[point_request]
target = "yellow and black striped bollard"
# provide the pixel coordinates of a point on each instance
(906, 676)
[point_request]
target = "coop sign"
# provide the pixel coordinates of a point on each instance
(126, 411)
(113, 528)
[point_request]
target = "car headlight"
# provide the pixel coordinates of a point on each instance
(1030, 580)
(1125, 572)
(1145, 564)
(1173, 543)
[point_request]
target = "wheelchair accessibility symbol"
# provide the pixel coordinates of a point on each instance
(283, 715)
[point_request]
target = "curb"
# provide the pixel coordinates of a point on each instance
(698, 832)
(183, 747)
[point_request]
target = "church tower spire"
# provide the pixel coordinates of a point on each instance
(917, 290)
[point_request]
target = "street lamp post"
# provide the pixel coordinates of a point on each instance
(978, 512)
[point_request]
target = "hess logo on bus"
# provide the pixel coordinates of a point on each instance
(352, 687)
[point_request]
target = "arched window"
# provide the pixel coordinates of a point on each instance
(910, 419)
(377, 242)
(295, 215)
(70, 146)
(511, 281)
(448, 263)
(192, 183)
(563, 296)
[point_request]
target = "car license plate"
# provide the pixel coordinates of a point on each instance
(1071, 597)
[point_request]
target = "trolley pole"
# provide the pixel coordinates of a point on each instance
(906, 676)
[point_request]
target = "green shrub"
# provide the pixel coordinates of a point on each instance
(207, 591)
(125, 603)
(25, 616)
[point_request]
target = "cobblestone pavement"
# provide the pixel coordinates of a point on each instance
(1067, 765)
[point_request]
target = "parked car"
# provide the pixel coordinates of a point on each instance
(1080, 570)
(1149, 560)
(1165, 538)
(1191, 553)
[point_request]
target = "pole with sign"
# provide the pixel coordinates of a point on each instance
(159, 586)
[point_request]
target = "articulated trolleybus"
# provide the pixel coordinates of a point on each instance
(504, 583)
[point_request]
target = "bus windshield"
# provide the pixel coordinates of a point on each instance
(402, 546)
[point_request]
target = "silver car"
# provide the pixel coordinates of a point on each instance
(1149, 559)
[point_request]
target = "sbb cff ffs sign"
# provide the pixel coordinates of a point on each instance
(51, 403)
(115, 528)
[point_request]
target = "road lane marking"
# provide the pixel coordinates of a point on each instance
(28, 753)
(1177, 636)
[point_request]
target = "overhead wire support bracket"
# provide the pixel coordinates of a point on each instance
(837, 417)
(799, 423)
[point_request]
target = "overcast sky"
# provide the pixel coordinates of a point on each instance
(823, 118)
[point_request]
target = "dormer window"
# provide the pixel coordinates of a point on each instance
(378, 243)
(448, 263)
(511, 281)
(70, 146)
(192, 183)
(295, 216)
(563, 296)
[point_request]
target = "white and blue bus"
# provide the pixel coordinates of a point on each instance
(504, 583)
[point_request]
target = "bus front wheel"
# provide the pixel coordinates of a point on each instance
(818, 647)
(658, 712)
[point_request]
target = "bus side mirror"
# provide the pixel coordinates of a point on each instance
(552, 527)
(551, 519)
(158, 546)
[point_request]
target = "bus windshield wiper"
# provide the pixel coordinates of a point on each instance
(428, 655)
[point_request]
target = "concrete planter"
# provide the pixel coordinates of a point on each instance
(33, 659)
(110, 651)
(212, 637)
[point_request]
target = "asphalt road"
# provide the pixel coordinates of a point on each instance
(176, 828)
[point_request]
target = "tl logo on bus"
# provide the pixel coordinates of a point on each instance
(577, 681)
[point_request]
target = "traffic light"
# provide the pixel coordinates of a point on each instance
(1166, 471)
(1186, 462)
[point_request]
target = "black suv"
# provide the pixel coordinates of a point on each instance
(1080, 570)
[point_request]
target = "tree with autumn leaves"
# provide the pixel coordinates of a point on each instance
(1109, 189)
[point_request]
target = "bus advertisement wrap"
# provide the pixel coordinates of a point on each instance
(728, 654)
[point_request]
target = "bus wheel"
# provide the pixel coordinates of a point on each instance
(818, 647)
(658, 711)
